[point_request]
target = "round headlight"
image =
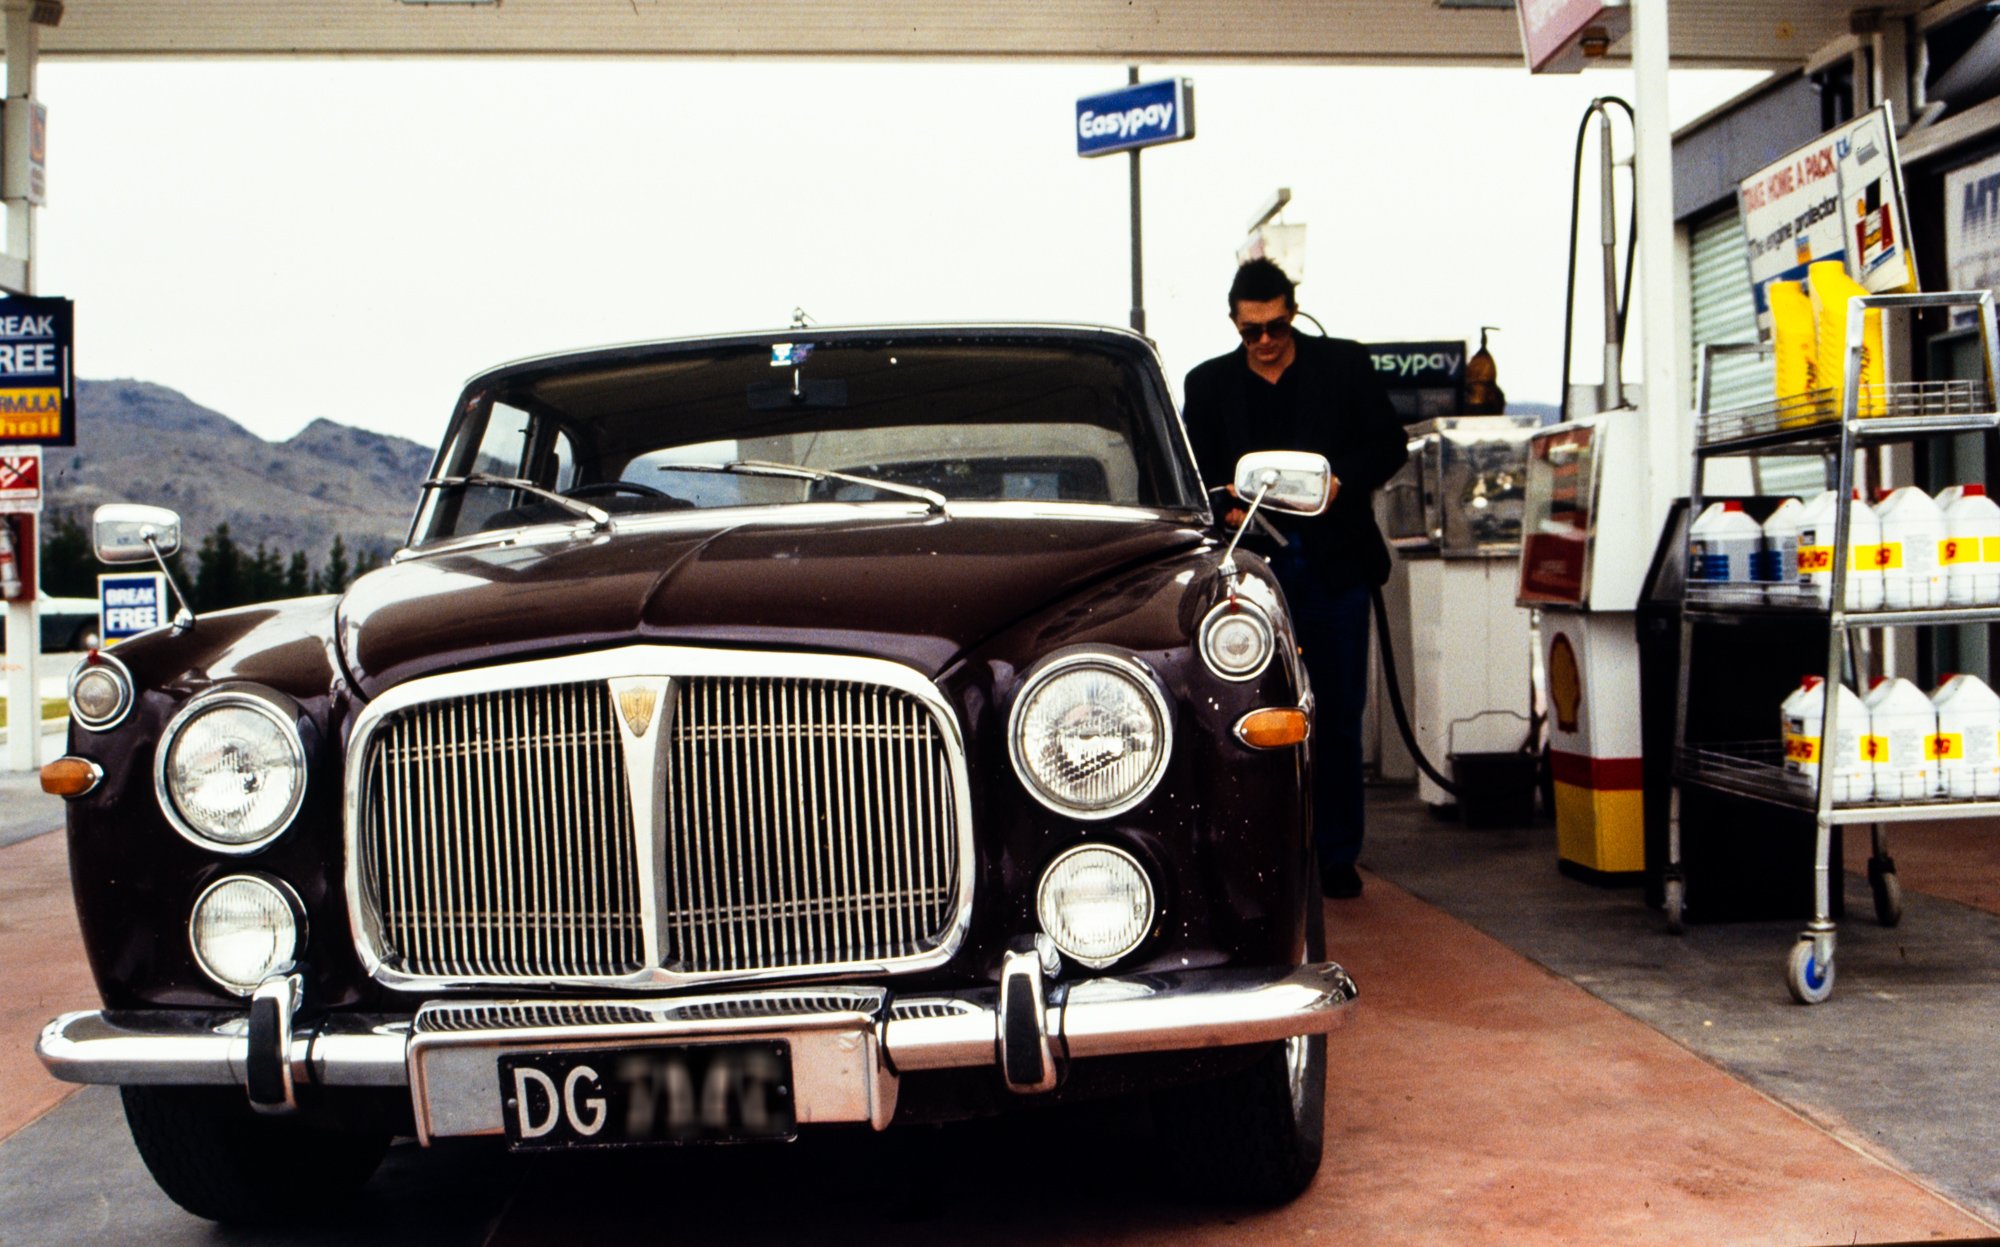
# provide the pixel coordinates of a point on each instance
(1091, 735)
(231, 771)
(100, 692)
(1096, 903)
(244, 929)
(1237, 640)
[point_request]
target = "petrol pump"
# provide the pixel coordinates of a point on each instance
(1587, 535)
(1585, 543)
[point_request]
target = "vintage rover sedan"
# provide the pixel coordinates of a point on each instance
(846, 726)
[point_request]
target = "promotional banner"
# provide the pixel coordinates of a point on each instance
(129, 603)
(1839, 197)
(1972, 230)
(37, 371)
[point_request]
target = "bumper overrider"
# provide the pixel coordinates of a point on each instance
(849, 1045)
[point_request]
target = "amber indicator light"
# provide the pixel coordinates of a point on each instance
(1272, 729)
(70, 777)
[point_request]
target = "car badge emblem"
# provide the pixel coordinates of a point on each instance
(637, 704)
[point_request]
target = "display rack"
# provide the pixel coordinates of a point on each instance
(1828, 422)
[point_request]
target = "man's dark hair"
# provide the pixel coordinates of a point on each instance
(1260, 280)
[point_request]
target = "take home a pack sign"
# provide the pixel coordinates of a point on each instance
(1135, 116)
(1840, 197)
(37, 371)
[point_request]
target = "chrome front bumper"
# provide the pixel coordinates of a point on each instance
(849, 1045)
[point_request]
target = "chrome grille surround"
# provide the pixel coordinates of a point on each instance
(759, 928)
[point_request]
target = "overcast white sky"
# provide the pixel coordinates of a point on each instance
(283, 240)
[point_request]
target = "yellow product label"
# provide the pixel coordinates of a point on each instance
(1801, 748)
(1887, 555)
(1815, 559)
(1960, 549)
(1989, 549)
(1875, 748)
(1944, 747)
(1869, 558)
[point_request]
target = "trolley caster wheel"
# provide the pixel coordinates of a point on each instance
(1811, 982)
(1888, 895)
(1676, 906)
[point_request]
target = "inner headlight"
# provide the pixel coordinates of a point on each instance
(1096, 903)
(1237, 640)
(231, 771)
(243, 929)
(1091, 735)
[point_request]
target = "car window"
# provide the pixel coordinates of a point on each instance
(1001, 420)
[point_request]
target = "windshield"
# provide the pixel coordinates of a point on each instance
(674, 429)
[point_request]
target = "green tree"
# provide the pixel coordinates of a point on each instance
(69, 564)
(339, 572)
(219, 583)
(298, 576)
(264, 575)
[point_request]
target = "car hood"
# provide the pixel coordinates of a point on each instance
(916, 589)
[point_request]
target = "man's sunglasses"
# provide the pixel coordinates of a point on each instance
(1278, 330)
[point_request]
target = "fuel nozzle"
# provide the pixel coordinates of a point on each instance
(1483, 395)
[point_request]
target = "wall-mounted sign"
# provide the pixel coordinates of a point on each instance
(21, 479)
(1135, 116)
(1558, 36)
(1972, 230)
(129, 603)
(1423, 379)
(37, 386)
(1840, 197)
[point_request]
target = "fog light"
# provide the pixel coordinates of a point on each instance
(100, 692)
(1096, 903)
(244, 929)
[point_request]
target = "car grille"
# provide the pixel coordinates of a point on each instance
(801, 823)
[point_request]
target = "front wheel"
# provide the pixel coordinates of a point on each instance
(1256, 1136)
(218, 1159)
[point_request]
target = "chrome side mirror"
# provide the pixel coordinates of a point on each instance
(124, 532)
(1294, 482)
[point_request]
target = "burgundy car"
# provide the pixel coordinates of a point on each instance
(837, 726)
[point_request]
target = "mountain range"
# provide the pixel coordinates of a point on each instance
(140, 442)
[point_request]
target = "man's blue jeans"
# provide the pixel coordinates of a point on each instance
(1332, 625)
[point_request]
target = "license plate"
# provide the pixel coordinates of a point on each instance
(700, 1093)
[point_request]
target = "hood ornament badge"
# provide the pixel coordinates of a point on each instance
(637, 705)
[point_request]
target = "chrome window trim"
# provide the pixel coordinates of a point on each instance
(664, 663)
(1111, 660)
(300, 931)
(237, 695)
(1237, 606)
(122, 673)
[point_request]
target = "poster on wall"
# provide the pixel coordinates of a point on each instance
(1840, 197)
(1972, 231)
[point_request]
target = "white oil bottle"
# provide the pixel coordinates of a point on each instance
(1805, 752)
(1901, 723)
(1967, 744)
(1913, 531)
(1971, 550)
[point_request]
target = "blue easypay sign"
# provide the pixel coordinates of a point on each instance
(1135, 116)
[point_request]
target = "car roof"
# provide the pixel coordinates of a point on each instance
(1104, 335)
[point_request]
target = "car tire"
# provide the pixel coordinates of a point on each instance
(218, 1159)
(1255, 1136)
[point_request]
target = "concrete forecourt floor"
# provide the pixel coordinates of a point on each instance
(1533, 1061)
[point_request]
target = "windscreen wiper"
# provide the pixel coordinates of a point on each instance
(599, 518)
(764, 467)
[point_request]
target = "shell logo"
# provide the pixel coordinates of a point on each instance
(1565, 682)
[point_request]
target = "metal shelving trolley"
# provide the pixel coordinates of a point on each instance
(1834, 424)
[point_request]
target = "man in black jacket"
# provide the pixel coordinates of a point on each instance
(1286, 391)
